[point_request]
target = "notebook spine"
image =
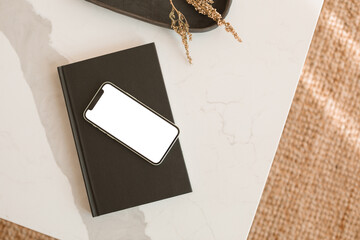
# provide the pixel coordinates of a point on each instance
(78, 144)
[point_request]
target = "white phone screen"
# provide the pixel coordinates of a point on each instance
(131, 123)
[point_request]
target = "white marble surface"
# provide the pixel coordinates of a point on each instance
(231, 106)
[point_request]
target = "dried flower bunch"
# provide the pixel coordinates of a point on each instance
(181, 26)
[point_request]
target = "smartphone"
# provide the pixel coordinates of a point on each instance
(130, 122)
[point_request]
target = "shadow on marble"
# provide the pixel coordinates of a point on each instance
(29, 35)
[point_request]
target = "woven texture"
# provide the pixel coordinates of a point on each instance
(12, 231)
(313, 190)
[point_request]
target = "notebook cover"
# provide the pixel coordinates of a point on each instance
(116, 178)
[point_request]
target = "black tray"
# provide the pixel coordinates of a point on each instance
(157, 11)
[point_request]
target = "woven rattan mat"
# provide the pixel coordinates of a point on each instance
(313, 190)
(12, 231)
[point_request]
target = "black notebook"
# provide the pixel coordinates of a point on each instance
(115, 177)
